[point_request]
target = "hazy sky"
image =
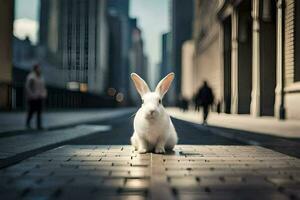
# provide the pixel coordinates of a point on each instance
(27, 9)
(153, 16)
(153, 19)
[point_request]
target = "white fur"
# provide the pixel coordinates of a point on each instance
(153, 131)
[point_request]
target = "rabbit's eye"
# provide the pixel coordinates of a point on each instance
(159, 101)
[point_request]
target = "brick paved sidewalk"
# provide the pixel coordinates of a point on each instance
(117, 172)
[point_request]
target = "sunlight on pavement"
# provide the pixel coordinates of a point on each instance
(108, 171)
(101, 128)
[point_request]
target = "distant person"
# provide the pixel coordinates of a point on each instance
(219, 107)
(196, 103)
(36, 93)
(183, 103)
(205, 99)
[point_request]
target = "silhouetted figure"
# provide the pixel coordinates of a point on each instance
(205, 98)
(196, 103)
(183, 103)
(35, 93)
(219, 107)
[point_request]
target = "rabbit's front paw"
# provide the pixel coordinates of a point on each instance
(142, 150)
(159, 150)
(135, 148)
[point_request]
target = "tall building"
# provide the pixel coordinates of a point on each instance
(73, 34)
(181, 25)
(166, 65)
(137, 60)
(165, 54)
(121, 6)
(23, 50)
(49, 32)
(248, 51)
(118, 56)
(119, 45)
(137, 52)
(145, 70)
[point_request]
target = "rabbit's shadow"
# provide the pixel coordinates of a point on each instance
(169, 153)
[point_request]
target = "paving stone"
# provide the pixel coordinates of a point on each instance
(118, 172)
(113, 182)
(136, 183)
(230, 196)
(184, 182)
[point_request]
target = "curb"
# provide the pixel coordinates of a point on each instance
(275, 143)
(52, 128)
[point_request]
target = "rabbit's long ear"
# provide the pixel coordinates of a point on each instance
(163, 86)
(140, 85)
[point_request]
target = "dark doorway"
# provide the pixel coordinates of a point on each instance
(227, 64)
(244, 57)
(267, 56)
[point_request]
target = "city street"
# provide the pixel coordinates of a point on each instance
(74, 73)
(98, 163)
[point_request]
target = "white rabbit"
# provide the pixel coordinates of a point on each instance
(153, 128)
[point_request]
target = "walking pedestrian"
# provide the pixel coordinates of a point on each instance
(219, 107)
(205, 97)
(196, 103)
(36, 93)
(183, 103)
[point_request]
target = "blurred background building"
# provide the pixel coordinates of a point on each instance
(248, 51)
(119, 43)
(73, 38)
(166, 65)
(87, 50)
(182, 13)
(181, 19)
(136, 57)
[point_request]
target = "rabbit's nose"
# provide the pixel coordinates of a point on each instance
(152, 112)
